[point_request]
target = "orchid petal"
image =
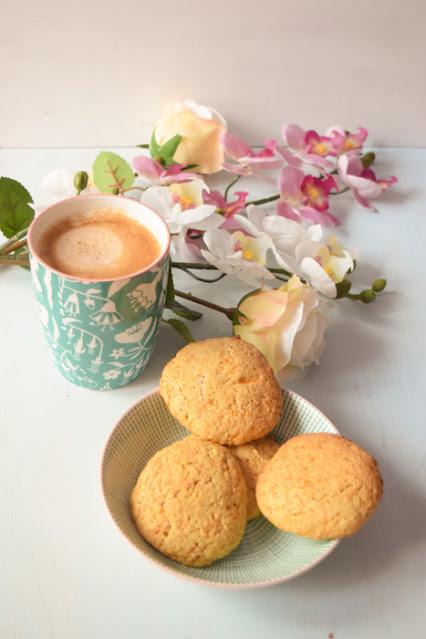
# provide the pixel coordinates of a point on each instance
(314, 232)
(307, 248)
(219, 242)
(215, 198)
(289, 157)
(289, 182)
(365, 188)
(147, 167)
(58, 185)
(234, 147)
(194, 217)
(317, 277)
(186, 250)
(238, 169)
(287, 211)
(158, 198)
(340, 265)
(293, 135)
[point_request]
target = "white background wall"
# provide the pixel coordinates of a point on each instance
(97, 72)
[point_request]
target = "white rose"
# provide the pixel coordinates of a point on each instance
(286, 325)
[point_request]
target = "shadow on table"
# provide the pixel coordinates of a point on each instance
(358, 336)
(389, 537)
(394, 532)
(398, 195)
(364, 275)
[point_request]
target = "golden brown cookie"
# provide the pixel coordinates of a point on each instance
(190, 502)
(320, 486)
(222, 390)
(253, 457)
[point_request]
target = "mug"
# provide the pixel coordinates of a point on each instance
(101, 332)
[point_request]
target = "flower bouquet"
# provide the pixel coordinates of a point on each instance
(278, 245)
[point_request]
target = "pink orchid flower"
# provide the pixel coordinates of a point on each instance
(155, 174)
(362, 182)
(306, 147)
(246, 161)
(228, 209)
(345, 141)
(316, 191)
(304, 197)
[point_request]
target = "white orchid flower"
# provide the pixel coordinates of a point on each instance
(58, 185)
(179, 214)
(184, 249)
(181, 208)
(299, 249)
(280, 234)
(324, 264)
(237, 254)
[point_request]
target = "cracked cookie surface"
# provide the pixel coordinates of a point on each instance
(320, 486)
(223, 390)
(190, 502)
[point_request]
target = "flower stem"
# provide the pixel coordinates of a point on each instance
(340, 192)
(194, 265)
(230, 185)
(11, 260)
(14, 247)
(209, 267)
(133, 188)
(264, 200)
(229, 312)
(4, 248)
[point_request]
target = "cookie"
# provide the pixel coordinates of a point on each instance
(190, 502)
(222, 390)
(253, 457)
(320, 486)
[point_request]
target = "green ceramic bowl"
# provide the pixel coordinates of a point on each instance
(266, 555)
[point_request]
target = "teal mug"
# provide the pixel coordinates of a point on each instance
(101, 332)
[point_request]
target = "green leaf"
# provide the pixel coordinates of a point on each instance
(168, 162)
(237, 313)
(170, 291)
(179, 309)
(15, 210)
(142, 146)
(111, 173)
(154, 147)
(236, 316)
(168, 149)
(181, 328)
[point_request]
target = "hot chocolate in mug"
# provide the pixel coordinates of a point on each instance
(101, 332)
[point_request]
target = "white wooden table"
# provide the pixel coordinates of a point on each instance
(65, 571)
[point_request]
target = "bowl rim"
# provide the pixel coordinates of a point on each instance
(264, 583)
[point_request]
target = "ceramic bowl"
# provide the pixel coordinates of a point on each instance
(266, 555)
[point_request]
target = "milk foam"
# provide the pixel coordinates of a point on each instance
(102, 244)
